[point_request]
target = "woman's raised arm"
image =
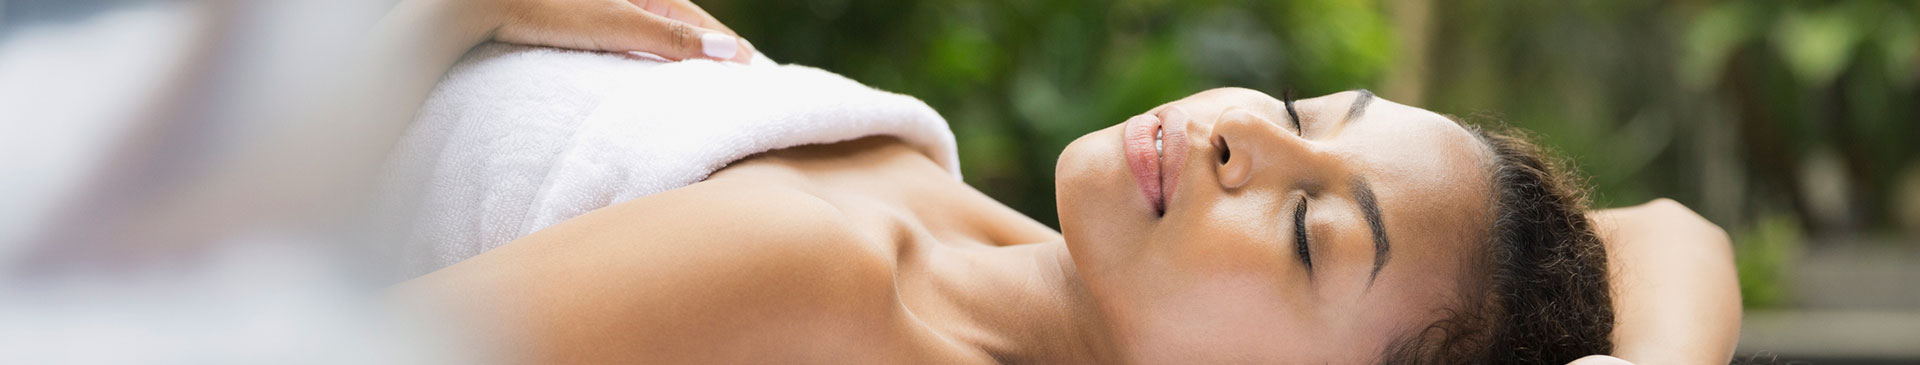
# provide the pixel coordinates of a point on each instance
(1676, 298)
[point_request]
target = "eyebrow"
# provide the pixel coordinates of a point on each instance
(1370, 209)
(1359, 106)
(1363, 193)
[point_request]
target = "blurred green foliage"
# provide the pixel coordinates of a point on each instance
(1743, 110)
(1763, 254)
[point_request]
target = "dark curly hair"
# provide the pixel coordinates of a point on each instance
(1539, 294)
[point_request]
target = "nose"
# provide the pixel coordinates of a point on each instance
(1251, 147)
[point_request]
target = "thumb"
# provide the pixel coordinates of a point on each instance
(677, 40)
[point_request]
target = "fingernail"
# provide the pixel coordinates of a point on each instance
(719, 46)
(748, 56)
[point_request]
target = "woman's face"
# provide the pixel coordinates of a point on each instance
(1239, 236)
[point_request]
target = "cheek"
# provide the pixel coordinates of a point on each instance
(1218, 285)
(1233, 236)
(1224, 314)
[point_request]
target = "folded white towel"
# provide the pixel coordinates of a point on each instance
(515, 139)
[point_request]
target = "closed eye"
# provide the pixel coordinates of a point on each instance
(1287, 98)
(1301, 243)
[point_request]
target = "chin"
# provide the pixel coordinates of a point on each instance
(1092, 181)
(1102, 213)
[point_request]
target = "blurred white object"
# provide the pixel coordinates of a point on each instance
(69, 92)
(106, 102)
(251, 302)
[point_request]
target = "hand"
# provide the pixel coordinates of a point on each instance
(1675, 295)
(673, 29)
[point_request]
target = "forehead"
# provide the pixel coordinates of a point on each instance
(1409, 154)
(1430, 177)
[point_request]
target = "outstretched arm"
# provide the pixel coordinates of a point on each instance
(1675, 295)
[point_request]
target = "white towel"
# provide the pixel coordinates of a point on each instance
(515, 139)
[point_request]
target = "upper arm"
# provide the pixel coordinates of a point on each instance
(682, 273)
(1676, 296)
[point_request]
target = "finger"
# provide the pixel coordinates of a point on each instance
(685, 11)
(677, 40)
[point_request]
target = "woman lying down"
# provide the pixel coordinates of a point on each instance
(600, 207)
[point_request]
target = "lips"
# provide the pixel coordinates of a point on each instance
(1154, 150)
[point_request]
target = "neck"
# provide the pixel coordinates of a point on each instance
(1018, 304)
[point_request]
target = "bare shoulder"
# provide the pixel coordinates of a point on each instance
(712, 270)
